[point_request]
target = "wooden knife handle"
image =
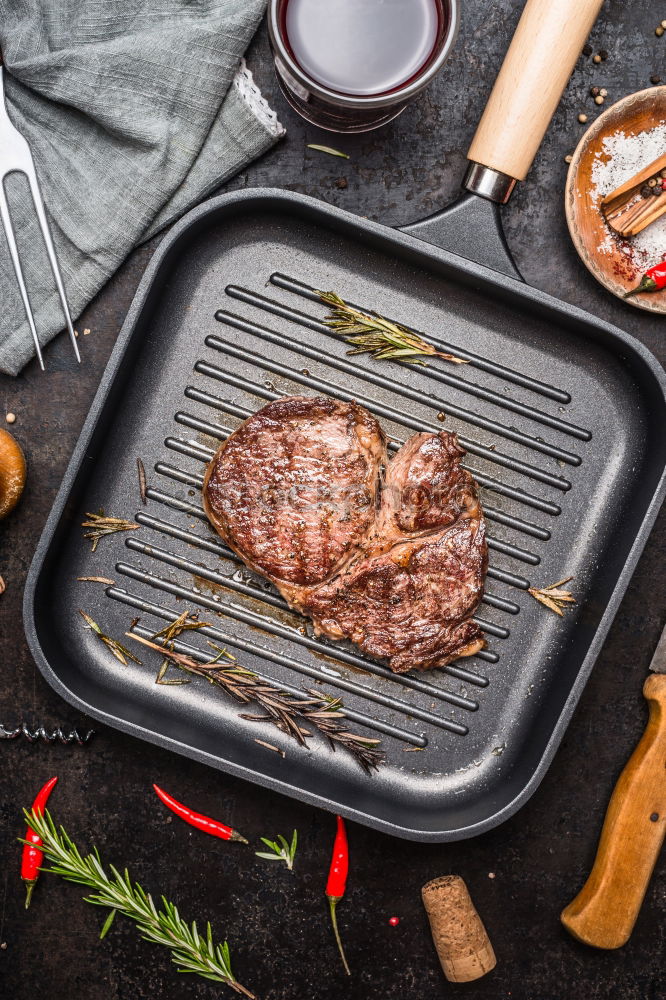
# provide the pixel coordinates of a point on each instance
(535, 71)
(604, 912)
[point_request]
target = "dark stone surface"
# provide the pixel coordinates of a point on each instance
(276, 922)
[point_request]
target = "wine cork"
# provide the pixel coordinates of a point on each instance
(460, 938)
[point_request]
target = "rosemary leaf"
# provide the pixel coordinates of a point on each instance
(116, 648)
(553, 597)
(271, 746)
(327, 149)
(372, 334)
(190, 951)
(183, 623)
(97, 579)
(290, 714)
(107, 924)
(141, 472)
(102, 525)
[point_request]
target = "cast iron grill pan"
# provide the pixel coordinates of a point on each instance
(561, 416)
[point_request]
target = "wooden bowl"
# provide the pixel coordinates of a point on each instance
(636, 113)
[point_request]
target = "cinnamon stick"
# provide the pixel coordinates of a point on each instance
(635, 219)
(614, 199)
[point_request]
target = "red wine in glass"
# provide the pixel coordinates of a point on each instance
(351, 65)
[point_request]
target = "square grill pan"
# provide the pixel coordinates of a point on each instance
(562, 417)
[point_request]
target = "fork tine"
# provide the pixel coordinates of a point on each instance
(48, 242)
(13, 251)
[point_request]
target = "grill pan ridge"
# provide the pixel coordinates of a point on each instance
(560, 414)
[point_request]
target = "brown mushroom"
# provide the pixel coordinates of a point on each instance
(12, 472)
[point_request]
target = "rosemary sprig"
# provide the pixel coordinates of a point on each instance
(282, 851)
(553, 597)
(115, 647)
(102, 525)
(191, 951)
(183, 623)
(168, 634)
(287, 712)
(372, 334)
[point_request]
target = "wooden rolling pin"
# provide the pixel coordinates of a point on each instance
(604, 912)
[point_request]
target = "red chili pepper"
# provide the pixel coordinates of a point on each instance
(337, 881)
(653, 280)
(205, 823)
(32, 857)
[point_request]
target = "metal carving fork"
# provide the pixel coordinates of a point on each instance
(15, 156)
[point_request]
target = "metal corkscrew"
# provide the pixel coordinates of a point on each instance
(40, 734)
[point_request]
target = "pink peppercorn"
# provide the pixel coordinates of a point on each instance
(394, 921)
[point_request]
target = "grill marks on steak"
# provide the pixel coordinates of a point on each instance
(396, 567)
(293, 490)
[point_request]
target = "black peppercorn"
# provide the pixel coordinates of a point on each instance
(594, 91)
(587, 50)
(603, 54)
(655, 79)
(341, 183)
(646, 191)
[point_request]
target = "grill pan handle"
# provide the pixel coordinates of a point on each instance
(547, 42)
(535, 71)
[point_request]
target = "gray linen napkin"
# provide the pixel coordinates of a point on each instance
(134, 110)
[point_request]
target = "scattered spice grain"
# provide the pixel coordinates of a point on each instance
(582, 118)
(11, 418)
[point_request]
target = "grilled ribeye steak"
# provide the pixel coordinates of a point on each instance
(389, 554)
